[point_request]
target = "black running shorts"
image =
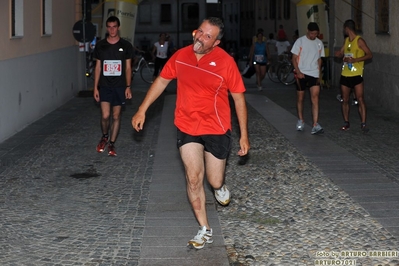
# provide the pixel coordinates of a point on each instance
(307, 81)
(218, 145)
(114, 96)
(350, 82)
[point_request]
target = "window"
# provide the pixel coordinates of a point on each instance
(287, 9)
(190, 16)
(47, 21)
(166, 13)
(144, 14)
(279, 9)
(382, 16)
(273, 6)
(260, 9)
(17, 18)
(357, 14)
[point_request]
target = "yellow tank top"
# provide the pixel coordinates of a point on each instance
(352, 50)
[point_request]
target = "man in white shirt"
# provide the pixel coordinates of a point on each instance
(307, 52)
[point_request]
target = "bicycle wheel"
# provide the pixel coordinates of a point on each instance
(272, 72)
(286, 74)
(147, 71)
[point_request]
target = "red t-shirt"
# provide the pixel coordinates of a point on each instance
(202, 105)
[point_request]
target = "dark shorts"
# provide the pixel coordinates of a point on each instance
(114, 96)
(218, 145)
(307, 81)
(350, 82)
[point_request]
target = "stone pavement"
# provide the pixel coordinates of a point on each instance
(61, 203)
(371, 174)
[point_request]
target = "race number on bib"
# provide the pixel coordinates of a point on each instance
(112, 68)
(259, 58)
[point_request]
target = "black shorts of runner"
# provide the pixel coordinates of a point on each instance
(307, 81)
(114, 96)
(218, 145)
(350, 82)
(261, 64)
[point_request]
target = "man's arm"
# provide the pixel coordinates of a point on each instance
(320, 62)
(128, 74)
(340, 53)
(97, 73)
(242, 115)
(299, 74)
(153, 93)
(362, 45)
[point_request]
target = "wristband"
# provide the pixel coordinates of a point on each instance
(128, 86)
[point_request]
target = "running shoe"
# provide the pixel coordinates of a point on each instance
(222, 195)
(300, 125)
(364, 128)
(317, 129)
(346, 126)
(339, 98)
(111, 150)
(203, 236)
(260, 88)
(101, 144)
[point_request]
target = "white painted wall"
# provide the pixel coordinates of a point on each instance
(34, 85)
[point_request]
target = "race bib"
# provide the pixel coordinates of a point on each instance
(259, 57)
(162, 54)
(112, 68)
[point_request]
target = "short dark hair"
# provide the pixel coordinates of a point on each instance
(113, 19)
(214, 21)
(312, 26)
(350, 24)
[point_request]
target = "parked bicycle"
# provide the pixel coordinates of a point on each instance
(286, 74)
(272, 72)
(146, 70)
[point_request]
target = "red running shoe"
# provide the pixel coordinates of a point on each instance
(111, 150)
(101, 144)
(345, 127)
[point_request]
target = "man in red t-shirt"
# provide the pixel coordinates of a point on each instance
(205, 75)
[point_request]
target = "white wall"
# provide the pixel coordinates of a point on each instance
(34, 85)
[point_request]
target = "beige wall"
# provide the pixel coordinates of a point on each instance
(38, 73)
(65, 14)
(385, 44)
(380, 73)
